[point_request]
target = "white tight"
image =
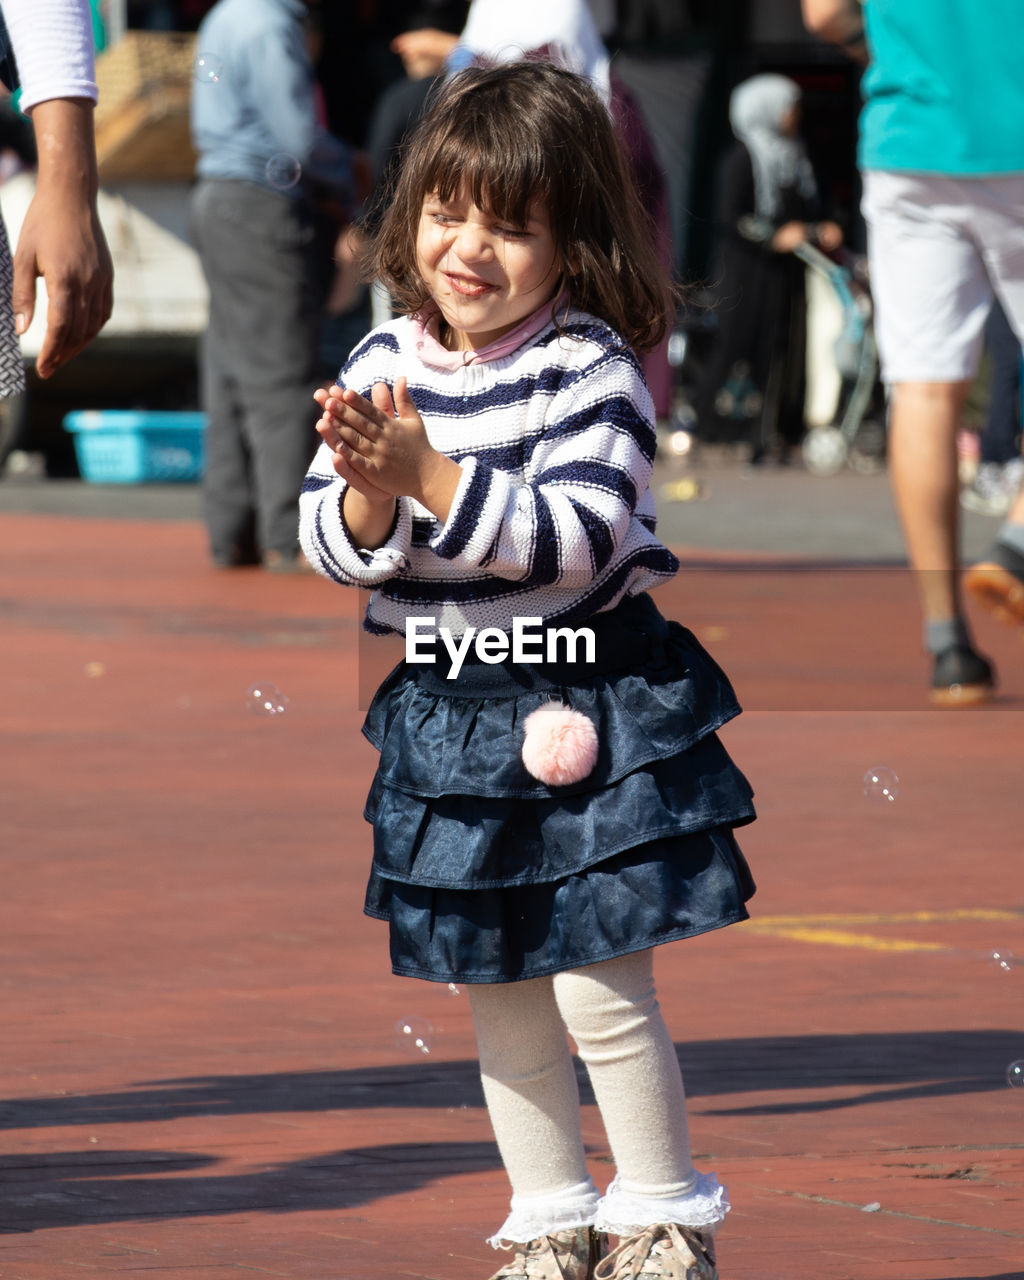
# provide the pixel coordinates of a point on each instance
(611, 1011)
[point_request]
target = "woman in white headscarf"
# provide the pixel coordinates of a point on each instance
(557, 31)
(753, 386)
(563, 32)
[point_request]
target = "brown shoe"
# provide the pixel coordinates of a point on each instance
(663, 1252)
(997, 589)
(563, 1255)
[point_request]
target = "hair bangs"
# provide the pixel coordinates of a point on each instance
(502, 169)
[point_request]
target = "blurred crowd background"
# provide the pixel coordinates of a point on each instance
(679, 60)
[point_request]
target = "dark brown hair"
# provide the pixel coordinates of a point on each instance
(513, 135)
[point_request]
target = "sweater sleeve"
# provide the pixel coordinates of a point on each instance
(586, 474)
(53, 47)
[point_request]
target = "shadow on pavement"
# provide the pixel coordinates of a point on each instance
(68, 1189)
(888, 1066)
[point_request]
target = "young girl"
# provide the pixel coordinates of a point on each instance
(485, 467)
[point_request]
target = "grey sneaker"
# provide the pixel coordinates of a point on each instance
(563, 1255)
(662, 1252)
(993, 489)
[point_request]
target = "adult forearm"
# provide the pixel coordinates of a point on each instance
(65, 140)
(839, 22)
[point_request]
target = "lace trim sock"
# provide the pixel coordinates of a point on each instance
(535, 1216)
(620, 1212)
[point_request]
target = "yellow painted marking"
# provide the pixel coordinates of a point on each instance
(840, 938)
(896, 917)
(818, 928)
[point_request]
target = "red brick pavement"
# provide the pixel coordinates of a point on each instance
(198, 1074)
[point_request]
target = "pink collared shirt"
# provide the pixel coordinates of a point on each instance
(432, 351)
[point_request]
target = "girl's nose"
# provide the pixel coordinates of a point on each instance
(473, 242)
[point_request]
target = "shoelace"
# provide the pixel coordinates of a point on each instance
(650, 1254)
(533, 1261)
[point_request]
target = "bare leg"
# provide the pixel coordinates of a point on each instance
(923, 463)
(923, 424)
(924, 420)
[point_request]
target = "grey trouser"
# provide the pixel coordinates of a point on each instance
(258, 364)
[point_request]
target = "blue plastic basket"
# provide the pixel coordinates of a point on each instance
(138, 446)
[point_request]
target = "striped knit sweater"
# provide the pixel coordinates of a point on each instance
(553, 516)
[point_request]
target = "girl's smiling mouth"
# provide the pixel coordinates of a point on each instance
(469, 286)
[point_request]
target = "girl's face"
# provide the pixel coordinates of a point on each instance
(484, 274)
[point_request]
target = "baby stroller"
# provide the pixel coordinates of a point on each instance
(845, 402)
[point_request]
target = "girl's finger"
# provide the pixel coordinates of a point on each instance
(344, 465)
(404, 403)
(325, 430)
(355, 440)
(382, 399)
(357, 404)
(366, 422)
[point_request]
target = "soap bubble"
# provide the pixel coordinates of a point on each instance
(681, 442)
(265, 700)
(414, 1035)
(454, 989)
(1015, 1074)
(881, 785)
(283, 171)
(688, 489)
(95, 669)
(1003, 959)
(208, 68)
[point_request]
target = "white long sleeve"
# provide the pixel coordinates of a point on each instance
(53, 47)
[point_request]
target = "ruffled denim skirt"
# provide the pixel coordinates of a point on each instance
(488, 875)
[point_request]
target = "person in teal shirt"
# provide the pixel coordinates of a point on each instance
(942, 156)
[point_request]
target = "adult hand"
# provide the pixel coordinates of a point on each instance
(829, 236)
(788, 236)
(61, 239)
(423, 52)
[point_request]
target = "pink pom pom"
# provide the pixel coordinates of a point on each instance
(560, 744)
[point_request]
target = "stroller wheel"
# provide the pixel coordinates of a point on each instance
(867, 453)
(824, 451)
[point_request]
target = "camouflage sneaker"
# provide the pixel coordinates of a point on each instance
(563, 1255)
(662, 1252)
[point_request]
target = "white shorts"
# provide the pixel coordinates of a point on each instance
(940, 249)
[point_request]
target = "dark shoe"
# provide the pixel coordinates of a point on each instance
(283, 562)
(235, 562)
(998, 584)
(237, 555)
(961, 678)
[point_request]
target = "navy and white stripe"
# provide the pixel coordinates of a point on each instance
(553, 516)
